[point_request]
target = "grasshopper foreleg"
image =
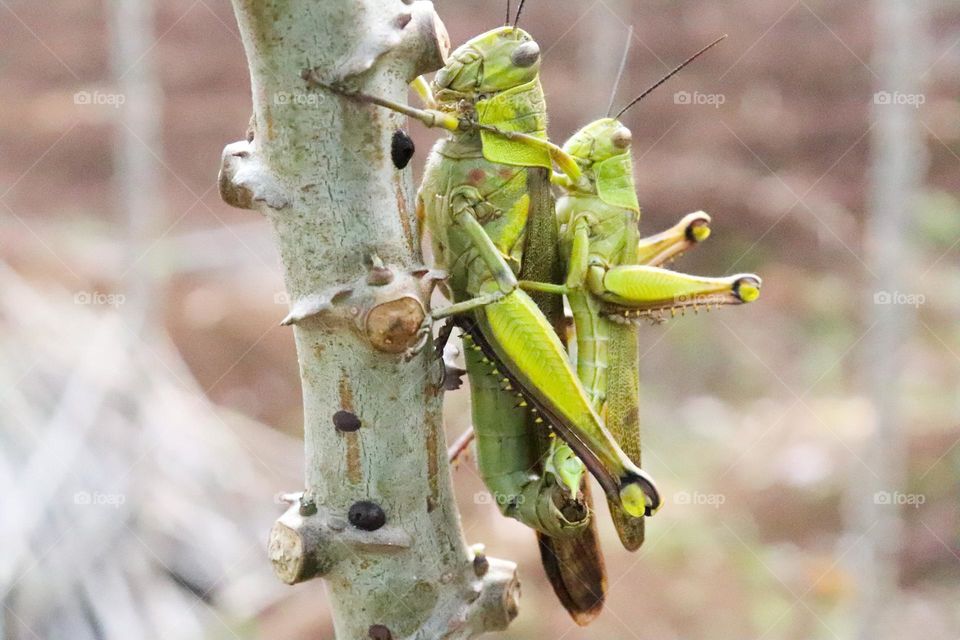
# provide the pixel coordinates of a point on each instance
(430, 117)
(463, 206)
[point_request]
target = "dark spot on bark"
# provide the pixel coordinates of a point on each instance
(403, 19)
(480, 565)
(379, 632)
(307, 507)
(401, 149)
(366, 515)
(346, 421)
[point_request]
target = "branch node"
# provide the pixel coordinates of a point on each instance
(417, 30)
(244, 181)
(303, 547)
(490, 603)
(387, 306)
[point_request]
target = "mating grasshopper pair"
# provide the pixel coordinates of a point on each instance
(488, 207)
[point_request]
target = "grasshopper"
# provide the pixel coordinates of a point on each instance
(614, 277)
(483, 196)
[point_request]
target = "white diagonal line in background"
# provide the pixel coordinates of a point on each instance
(199, 200)
(42, 242)
(839, 39)
(798, 399)
(762, 36)
(798, 599)
(800, 199)
(39, 39)
(38, 160)
(571, 28)
(147, 51)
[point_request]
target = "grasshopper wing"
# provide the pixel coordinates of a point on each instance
(574, 565)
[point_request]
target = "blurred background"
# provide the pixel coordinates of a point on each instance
(807, 444)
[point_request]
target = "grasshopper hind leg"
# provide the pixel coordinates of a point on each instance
(507, 454)
(638, 291)
(569, 410)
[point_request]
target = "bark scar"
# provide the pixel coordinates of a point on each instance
(354, 464)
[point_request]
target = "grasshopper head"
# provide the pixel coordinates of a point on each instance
(598, 141)
(492, 62)
(602, 149)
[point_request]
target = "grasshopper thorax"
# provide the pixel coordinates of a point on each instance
(488, 64)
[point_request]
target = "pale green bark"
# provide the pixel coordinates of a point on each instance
(319, 168)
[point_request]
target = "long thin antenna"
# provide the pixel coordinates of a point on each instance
(516, 20)
(623, 65)
(506, 22)
(671, 74)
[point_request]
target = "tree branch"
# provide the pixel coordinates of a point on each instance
(377, 519)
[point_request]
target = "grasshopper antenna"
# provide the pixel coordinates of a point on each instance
(623, 65)
(671, 74)
(516, 20)
(507, 21)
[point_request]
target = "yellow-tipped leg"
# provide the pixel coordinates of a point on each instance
(699, 230)
(634, 289)
(747, 288)
(639, 497)
(663, 247)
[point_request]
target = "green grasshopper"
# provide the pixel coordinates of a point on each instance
(614, 277)
(483, 196)
(476, 197)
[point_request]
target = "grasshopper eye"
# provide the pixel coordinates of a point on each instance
(526, 55)
(622, 138)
